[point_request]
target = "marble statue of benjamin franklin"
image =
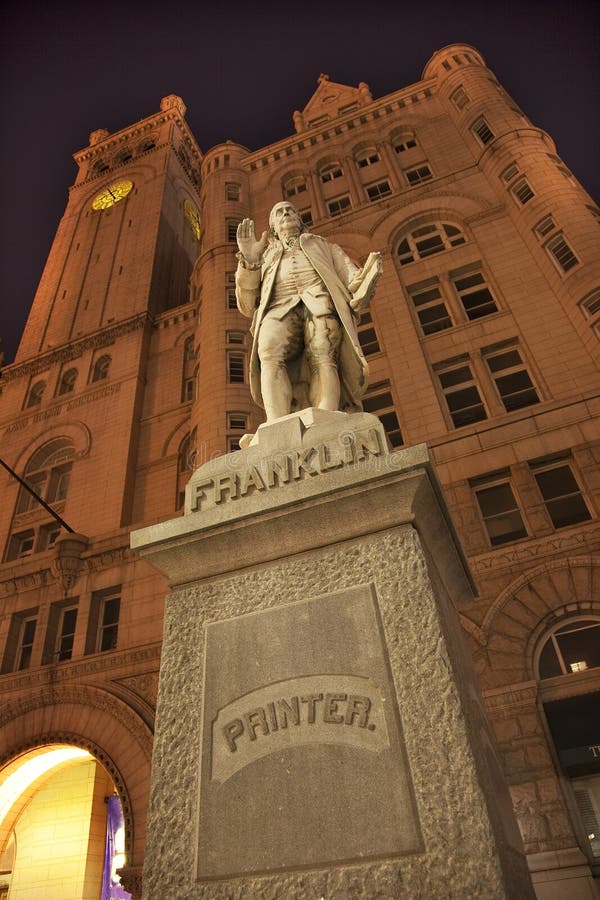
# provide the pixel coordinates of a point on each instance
(304, 295)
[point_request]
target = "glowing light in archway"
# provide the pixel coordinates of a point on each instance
(23, 772)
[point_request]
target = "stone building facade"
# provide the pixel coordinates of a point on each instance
(483, 341)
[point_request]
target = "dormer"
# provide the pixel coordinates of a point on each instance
(329, 101)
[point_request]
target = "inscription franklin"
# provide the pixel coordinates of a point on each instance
(283, 468)
(327, 709)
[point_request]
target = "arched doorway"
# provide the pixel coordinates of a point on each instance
(58, 806)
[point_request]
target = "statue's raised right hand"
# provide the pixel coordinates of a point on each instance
(251, 249)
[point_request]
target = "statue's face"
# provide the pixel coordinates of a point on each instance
(285, 219)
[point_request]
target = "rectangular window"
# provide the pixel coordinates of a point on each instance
(561, 253)
(509, 173)
(59, 483)
(368, 160)
(590, 308)
(416, 176)
(430, 307)
(378, 400)
(306, 217)
(20, 545)
(337, 207)
(544, 226)
(26, 500)
(332, 172)
(232, 190)
(482, 130)
(235, 368)
(298, 187)
(475, 295)
(499, 509)
(47, 536)
(367, 335)
(65, 637)
(560, 493)
(461, 393)
(237, 421)
(235, 337)
(103, 622)
(406, 144)
(231, 300)
(233, 444)
(511, 377)
(376, 191)
(459, 97)
(521, 191)
(231, 230)
(108, 629)
(187, 390)
(25, 642)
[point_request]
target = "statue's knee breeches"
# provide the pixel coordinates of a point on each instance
(280, 340)
(322, 339)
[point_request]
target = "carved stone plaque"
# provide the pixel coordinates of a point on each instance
(303, 761)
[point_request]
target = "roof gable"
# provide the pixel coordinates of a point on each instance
(329, 101)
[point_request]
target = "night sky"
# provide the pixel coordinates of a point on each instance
(241, 70)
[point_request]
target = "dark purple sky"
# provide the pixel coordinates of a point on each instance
(241, 70)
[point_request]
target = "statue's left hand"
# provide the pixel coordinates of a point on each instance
(362, 286)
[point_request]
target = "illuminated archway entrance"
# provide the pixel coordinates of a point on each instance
(54, 802)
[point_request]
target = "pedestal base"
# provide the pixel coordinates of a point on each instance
(319, 731)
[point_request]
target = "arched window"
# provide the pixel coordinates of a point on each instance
(367, 156)
(186, 459)
(67, 382)
(403, 141)
(294, 185)
(572, 646)
(101, 367)
(427, 240)
(330, 172)
(190, 370)
(124, 156)
(99, 167)
(48, 473)
(35, 394)
(145, 146)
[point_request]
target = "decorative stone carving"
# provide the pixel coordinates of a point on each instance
(131, 879)
(67, 564)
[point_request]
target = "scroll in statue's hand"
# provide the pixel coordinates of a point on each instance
(251, 249)
(362, 286)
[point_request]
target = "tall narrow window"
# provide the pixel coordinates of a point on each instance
(379, 401)
(561, 253)
(511, 378)
(590, 307)
(499, 509)
(67, 382)
(482, 130)
(25, 642)
(461, 393)
(367, 335)
(232, 191)
(561, 493)
(101, 367)
(430, 307)
(521, 191)
(103, 622)
(188, 377)
(20, 544)
(35, 394)
(235, 368)
(231, 230)
(65, 637)
(475, 295)
(459, 97)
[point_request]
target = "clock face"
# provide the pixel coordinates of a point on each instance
(112, 194)
(193, 217)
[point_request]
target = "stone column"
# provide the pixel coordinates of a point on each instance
(319, 730)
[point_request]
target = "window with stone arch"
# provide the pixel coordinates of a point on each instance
(36, 392)
(571, 646)
(426, 240)
(403, 141)
(186, 460)
(101, 368)
(330, 171)
(293, 185)
(66, 385)
(48, 474)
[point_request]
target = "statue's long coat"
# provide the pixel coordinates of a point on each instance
(253, 291)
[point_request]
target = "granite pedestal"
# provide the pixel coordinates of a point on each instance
(319, 731)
